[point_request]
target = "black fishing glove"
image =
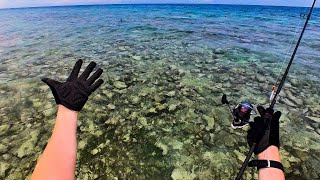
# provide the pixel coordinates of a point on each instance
(74, 93)
(261, 132)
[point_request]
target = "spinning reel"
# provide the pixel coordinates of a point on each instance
(241, 113)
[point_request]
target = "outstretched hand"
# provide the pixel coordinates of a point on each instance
(264, 131)
(74, 93)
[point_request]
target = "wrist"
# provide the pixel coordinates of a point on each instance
(63, 109)
(66, 117)
(271, 153)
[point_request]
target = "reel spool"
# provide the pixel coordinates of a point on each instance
(241, 113)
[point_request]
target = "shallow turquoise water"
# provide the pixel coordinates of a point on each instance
(175, 61)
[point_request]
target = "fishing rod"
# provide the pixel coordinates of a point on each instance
(284, 77)
(293, 56)
(242, 112)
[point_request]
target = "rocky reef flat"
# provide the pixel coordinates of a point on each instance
(156, 118)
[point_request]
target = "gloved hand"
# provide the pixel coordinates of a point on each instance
(263, 132)
(74, 93)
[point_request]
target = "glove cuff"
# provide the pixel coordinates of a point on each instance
(71, 107)
(275, 142)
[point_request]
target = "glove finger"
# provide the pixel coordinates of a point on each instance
(253, 124)
(269, 111)
(95, 76)
(259, 124)
(96, 85)
(261, 110)
(258, 120)
(75, 71)
(253, 136)
(52, 84)
(276, 116)
(275, 121)
(87, 71)
(274, 131)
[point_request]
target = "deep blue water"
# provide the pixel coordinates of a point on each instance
(261, 28)
(84, 29)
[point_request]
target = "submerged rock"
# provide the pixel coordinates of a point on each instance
(315, 119)
(206, 139)
(4, 167)
(111, 106)
(4, 128)
(287, 102)
(120, 91)
(135, 99)
(182, 174)
(28, 146)
(152, 110)
(173, 67)
(241, 157)
(171, 93)
(94, 151)
(120, 84)
(173, 107)
(15, 175)
(138, 58)
(49, 112)
(107, 93)
(161, 107)
(3, 148)
(143, 121)
(218, 51)
(210, 122)
(82, 144)
(163, 147)
(293, 98)
(261, 78)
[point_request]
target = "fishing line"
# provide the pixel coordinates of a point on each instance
(292, 57)
(287, 54)
(280, 66)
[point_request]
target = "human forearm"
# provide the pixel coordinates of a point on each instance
(58, 160)
(59, 157)
(271, 153)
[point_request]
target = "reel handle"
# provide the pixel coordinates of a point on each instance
(224, 99)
